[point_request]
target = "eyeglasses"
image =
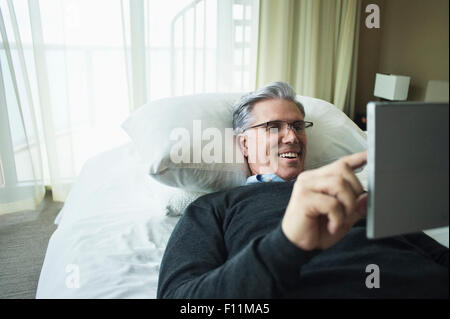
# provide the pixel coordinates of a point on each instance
(296, 126)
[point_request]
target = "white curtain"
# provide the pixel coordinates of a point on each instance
(71, 71)
(21, 178)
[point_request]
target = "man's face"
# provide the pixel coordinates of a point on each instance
(263, 149)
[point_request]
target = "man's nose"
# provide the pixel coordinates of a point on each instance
(289, 135)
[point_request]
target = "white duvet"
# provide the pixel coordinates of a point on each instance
(111, 234)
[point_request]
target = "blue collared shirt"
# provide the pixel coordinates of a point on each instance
(263, 178)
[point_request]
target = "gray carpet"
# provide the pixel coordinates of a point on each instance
(24, 238)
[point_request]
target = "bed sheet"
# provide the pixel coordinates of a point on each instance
(111, 233)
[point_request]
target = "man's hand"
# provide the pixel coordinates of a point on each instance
(325, 204)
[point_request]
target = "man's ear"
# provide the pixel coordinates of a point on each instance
(243, 143)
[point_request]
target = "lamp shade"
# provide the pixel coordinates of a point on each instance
(437, 91)
(391, 87)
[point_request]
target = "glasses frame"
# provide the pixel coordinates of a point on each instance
(289, 125)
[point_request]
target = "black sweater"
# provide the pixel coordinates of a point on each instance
(230, 245)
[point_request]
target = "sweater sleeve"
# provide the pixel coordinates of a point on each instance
(195, 263)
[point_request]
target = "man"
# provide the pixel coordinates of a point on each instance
(290, 233)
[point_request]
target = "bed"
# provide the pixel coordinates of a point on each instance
(118, 217)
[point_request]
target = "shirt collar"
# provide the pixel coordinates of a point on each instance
(263, 178)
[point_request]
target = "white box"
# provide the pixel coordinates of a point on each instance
(391, 87)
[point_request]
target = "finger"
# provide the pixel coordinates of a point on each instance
(344, 167)
(337, 187)
(322, 204)
(353, 161)
(349, 175)
(356, 160)
(361, 204)
(360, 211)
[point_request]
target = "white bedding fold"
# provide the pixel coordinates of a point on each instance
(111, 233)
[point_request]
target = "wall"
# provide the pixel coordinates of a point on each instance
(413, 40)
(368, 57)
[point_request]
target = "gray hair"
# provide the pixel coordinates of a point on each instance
(242, 117)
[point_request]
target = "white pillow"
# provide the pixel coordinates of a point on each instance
(150, 127)
(333, 134)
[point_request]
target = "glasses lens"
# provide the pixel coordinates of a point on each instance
(275, 125)
(280, 126)
(298, 126)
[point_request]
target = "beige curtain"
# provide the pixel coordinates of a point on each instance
(311, 44)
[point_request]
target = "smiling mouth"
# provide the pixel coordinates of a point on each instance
(290, 155)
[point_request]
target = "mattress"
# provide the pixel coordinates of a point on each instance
(112, 232)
